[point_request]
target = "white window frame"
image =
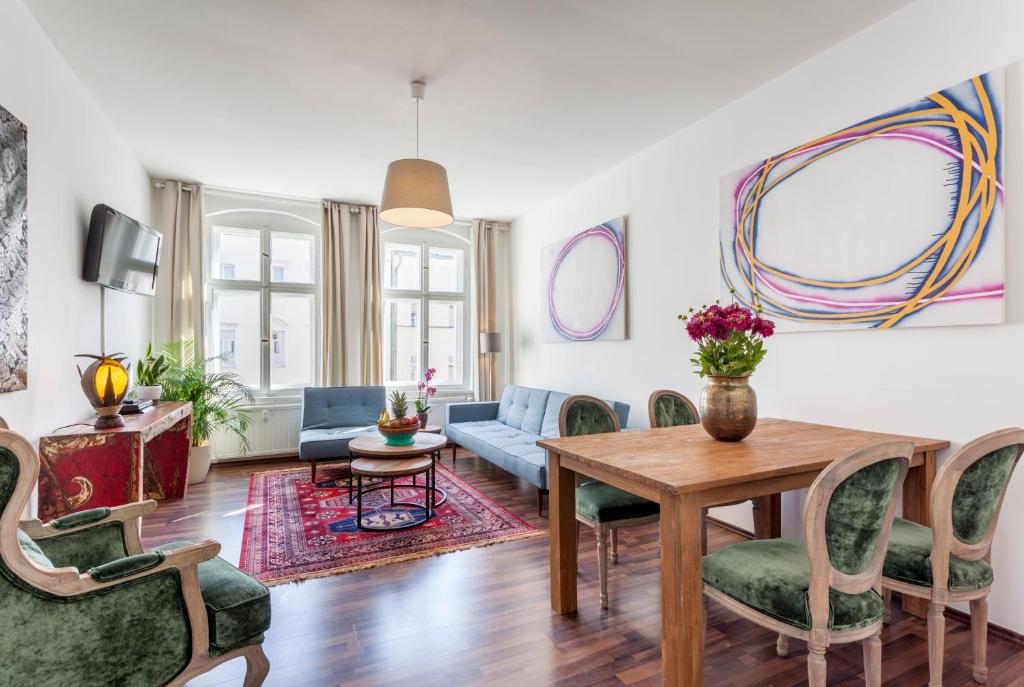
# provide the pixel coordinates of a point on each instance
(265, 287)
(426, 239)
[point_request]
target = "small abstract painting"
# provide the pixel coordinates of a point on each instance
(585, 285)
(897, 221)
(13, 253)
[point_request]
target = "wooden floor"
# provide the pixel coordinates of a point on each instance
(482, 616)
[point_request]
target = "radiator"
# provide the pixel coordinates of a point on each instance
(274, 431)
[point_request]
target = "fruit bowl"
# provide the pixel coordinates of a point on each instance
(399, 435)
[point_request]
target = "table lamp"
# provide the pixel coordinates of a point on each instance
(105, 383)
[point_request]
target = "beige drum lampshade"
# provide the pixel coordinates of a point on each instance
(490, 342)
(416, 195)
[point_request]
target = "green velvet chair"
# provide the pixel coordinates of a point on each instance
(81, 602)
(827, 588)
(605, 508)
(949, 562)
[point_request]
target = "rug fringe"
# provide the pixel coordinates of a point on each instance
(330, 572)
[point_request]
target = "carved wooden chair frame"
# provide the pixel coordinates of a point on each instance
(825, 576)
(946, 544)
(606, 530)
(69, 581)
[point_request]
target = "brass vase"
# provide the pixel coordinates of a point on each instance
(728, 408)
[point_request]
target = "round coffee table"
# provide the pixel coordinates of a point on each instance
(371, 457)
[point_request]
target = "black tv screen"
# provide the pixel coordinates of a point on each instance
(121, 253)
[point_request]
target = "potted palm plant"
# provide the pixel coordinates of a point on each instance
(218, 402)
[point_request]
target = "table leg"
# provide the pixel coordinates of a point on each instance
(562, 519)
(682, 604)
(917, 499)
(768, 516)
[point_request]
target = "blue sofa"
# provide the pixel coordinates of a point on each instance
(332, 416)
(506, 432)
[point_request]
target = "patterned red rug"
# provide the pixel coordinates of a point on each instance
(295, 530)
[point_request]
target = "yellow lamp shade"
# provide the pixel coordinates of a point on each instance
(416, 195)
(111, 380)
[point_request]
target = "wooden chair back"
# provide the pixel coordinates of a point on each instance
(824, 574)
(652, 404)
(944, 538)
(581, 401)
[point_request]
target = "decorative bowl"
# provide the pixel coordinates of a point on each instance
(399, 436)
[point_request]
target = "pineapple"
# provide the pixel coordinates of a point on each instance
(399, 405)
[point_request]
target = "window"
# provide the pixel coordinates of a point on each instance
(426, 313)
(263, 290)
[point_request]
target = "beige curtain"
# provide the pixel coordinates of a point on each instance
(351, 293)
(179, 307)
(486, 244)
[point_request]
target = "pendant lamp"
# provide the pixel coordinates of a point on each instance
(415, 190)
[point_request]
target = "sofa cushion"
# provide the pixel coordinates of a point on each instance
(329, 444)
(773, 576)
(505, 404)
(549, 427)
(341, 406)
(507, 447)
(599, 502)
(533, 415)
(237, 606)
(909, 559)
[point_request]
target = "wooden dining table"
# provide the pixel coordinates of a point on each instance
(686, 471)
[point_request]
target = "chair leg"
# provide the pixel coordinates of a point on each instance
(979, 638)
(817, 669)
(615, 544)
(936, 642)
(256, 667)
(602, 562)
(886, 606)
(782, 646)
(873, 660)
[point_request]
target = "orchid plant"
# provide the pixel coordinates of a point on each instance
(730, 339)
(425, 391)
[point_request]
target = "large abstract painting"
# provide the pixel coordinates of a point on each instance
(585, 284)
(13, 253)
(893, 222)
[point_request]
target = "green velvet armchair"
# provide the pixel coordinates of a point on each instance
(949, 562)
(82, 603)
(827, 588)
(605, 508)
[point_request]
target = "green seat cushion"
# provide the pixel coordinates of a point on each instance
(773, 576)
(238, 607)
(908, 559)
(600, 502)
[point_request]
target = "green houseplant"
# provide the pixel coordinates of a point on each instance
(148, 372)
(218, 402)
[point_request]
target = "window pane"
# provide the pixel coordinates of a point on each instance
(446, 269)
(291, 340)
(445, 352)
(235, 334)
(401, 340)
(291, 258)
(236, 254)
(402, 266)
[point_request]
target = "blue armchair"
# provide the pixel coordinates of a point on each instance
(332, 416)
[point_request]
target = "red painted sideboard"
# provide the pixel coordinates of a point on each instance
(91, 468)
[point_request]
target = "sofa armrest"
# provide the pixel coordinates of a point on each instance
(470, 412)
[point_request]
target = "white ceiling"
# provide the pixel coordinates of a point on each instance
(525, 98)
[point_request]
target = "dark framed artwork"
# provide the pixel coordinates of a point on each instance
(13, 253)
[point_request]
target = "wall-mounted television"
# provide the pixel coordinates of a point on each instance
(121, 253)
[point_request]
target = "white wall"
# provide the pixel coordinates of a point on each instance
(75, 160)
(954, 383)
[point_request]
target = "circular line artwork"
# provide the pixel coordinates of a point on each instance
(613, 233)
(963, 125)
